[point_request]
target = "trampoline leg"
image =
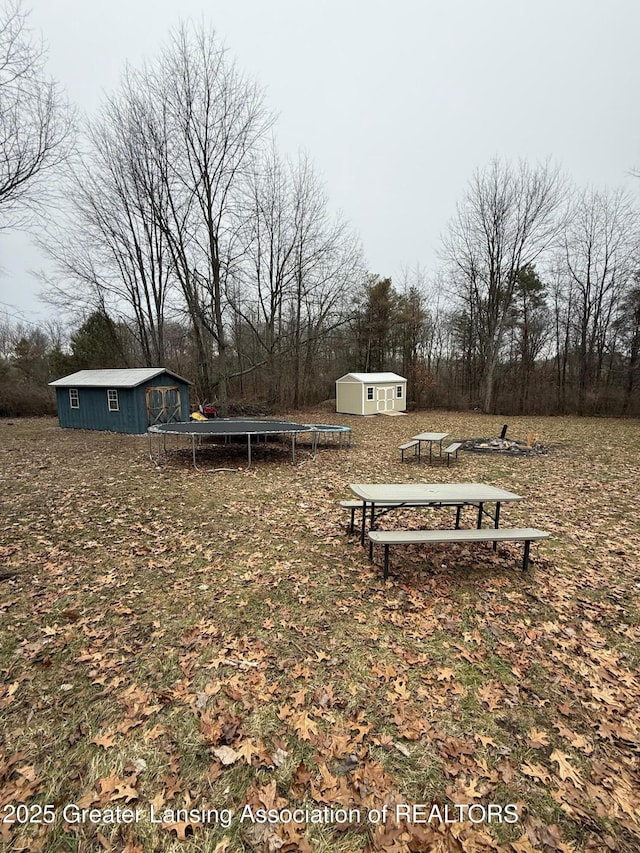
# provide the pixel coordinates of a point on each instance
(293, 448)
(249, 451)
(193, 450)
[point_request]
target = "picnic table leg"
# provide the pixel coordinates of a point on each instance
(480, 511)
(496, 522)
(364, 522)
(525, 561)
(385, 571)
(458, 510)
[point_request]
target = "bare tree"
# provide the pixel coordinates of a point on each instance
(110, 248)
(508, 218)
(562, 297)
(628, 323)
(600, 255)
(206, 129)
(263, 281)
(35, 122)
(157, 201)
(327, 262)
(297, 266)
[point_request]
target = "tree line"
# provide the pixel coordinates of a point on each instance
(187, 240)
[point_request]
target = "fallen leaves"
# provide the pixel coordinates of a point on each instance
(105, 741)
(537, 739)
(565, 770)
(112, 788)
(304, 725)
(226, 755)
(492, 695)
(234, 640)
(536, 771)
(182, 829)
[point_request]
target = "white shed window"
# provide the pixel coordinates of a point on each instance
(398, 391)
(370, 393)
(74, 398)
(112, 400)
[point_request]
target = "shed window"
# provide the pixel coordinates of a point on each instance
(112, 400)
(74, 398)
(398, 391)
(370, 393)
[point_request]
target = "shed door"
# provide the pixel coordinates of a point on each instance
(384, 399)
(163, 405)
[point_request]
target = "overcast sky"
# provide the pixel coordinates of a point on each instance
(397, 102)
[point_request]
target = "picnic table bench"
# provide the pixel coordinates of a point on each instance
(485, 534)
(453, 448)
(407, 446)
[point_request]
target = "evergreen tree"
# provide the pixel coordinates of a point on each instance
(97, 344)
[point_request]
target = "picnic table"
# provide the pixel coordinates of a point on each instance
(387, 496)
(430, 438)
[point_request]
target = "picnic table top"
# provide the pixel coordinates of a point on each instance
(431, 492)
(430, 436)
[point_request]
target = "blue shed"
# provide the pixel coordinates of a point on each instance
(126, 400)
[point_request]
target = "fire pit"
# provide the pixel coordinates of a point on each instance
(502, 444)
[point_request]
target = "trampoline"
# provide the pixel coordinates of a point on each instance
(228, 428)
(341, 433)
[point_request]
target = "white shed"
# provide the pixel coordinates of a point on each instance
(370, 393)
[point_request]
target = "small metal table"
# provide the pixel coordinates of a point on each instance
(431, 438)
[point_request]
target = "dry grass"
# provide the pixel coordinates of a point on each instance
(157, 622)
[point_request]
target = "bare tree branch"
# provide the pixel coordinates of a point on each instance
(35, 122)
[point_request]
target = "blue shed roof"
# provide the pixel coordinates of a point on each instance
(114, 378)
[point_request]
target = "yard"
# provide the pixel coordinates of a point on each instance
(184, 650)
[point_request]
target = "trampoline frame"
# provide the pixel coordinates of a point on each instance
(200, 429)
(342, 433)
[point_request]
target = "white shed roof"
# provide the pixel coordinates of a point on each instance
(113, 378)
(371, 377)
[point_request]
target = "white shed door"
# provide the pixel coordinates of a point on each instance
(384, 399)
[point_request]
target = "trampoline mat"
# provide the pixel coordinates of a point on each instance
(230, 426)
